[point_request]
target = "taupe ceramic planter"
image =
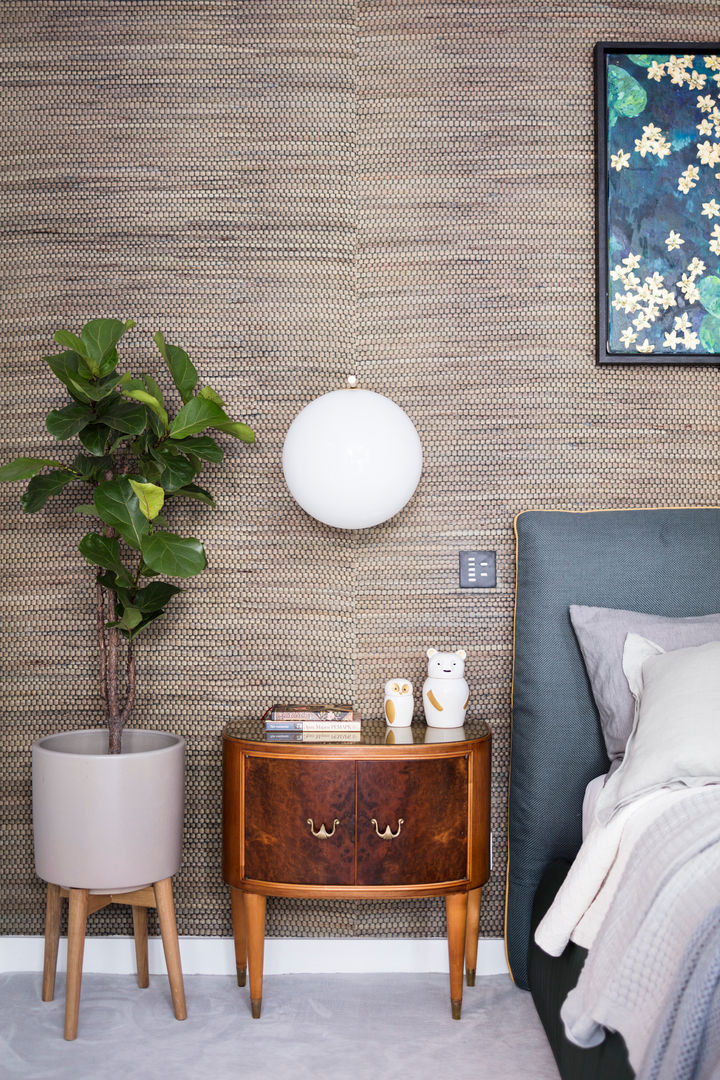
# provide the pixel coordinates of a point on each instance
(108, 822)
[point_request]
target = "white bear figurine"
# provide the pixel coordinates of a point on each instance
(445, 691)
(398, 702)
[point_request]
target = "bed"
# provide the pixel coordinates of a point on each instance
(665, 562)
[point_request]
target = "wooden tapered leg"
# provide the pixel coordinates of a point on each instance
(139, 915)
(471, 934)
(168, 932)
(255, 916)
(77, 918)
(456, 909)
(239, 934)
(52, 939)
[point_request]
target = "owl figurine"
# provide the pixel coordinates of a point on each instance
(398, 702)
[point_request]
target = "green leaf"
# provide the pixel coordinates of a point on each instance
(147, 620)
(197, 415)
(91, 469)
(237, 429)
(99, 337)
(155, 596)
(87, 509)
(176, 469)
(121, 415)
(209, 394)
(23, 468)
(109, 362)
(194, 492)
(151, 471)
(150, 497)
(70, 341)
(131, 618)
(65, 366)
(183, 373)
(96, 391)
(204, 447)
(109, 581)
(175, 556)
(117, 504)
(151, 402)
(153, 388)
(64, 423)
(177, 473)
(94, 438)
(41, 488)
(128, 383)
(116, 442)
(104, 551)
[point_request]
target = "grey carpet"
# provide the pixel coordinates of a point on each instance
(344, 1027)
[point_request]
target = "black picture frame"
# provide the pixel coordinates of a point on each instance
(603, 50)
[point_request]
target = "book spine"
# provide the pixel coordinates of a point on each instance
(331, 736)
(313, 725)
(280, 713)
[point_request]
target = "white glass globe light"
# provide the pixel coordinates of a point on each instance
(352, 458)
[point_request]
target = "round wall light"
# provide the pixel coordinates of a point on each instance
(352, 458)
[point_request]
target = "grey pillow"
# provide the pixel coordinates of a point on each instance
(601, 634)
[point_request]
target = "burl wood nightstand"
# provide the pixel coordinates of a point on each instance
(360, 820)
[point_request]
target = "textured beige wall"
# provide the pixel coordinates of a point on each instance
(292, 191)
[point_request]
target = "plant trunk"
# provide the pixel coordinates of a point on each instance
(116, 716)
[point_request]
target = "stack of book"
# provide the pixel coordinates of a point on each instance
(313, 723)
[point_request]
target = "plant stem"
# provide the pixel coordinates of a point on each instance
(114, 723)
(130, 686)
(100, 623)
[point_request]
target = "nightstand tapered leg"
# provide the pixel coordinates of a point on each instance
(471, 934)
(237, 898)
(255, 915)
(456, 909)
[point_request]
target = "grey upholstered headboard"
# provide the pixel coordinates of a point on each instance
(666, 562)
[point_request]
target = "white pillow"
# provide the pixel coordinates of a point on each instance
(676, 735)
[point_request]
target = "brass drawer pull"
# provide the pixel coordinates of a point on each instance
(322, 833)
(388, 834)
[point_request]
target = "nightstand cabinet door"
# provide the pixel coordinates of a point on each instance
(430, 844)
(282, 797)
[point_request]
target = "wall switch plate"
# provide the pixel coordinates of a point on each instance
(477, 570)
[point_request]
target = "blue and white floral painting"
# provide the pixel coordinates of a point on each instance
(663, 183)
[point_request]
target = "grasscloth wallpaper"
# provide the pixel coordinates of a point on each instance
(294, 190)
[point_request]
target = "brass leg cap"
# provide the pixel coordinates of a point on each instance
(255, 1006)
(241, 976)
(470, 978)
(456, 1007)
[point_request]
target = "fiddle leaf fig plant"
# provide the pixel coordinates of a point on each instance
(135, 461)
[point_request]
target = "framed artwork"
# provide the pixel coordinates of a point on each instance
(658, 203)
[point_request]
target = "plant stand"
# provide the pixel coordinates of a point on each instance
(83, 902)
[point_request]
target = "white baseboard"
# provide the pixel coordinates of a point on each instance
(215, 956)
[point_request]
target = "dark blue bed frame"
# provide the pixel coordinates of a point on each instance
(663, 561)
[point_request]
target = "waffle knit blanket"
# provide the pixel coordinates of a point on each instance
(670, 886)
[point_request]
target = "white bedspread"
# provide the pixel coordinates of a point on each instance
(584, 897)
(636, 892)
